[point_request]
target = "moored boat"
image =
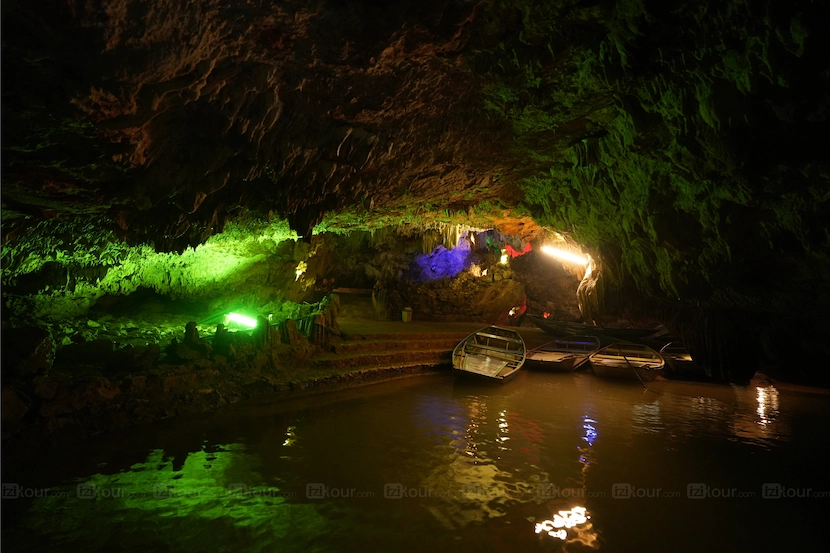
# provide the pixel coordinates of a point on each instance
(606, 335)
(493, 352)
(627, 360)
(564, 354)
(679, 362)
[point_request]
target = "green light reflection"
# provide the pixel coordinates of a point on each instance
(215, 500)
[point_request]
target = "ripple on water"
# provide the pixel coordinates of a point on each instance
(433, 464)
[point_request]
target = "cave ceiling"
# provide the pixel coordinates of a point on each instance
(685, 141)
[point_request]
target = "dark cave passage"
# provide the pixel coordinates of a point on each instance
(215, 203)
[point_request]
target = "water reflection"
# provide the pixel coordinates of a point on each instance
(767, 405)
(590, 430)
(761, 423)
(646, 417)
(572, 527)
(586, 455)
(485, 468)
(212, 492)
(290, 436)
(441, 418)
(562, 520)
(493, 463)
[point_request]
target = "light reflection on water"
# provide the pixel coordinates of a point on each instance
(438, 464)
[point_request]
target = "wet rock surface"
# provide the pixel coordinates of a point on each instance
(101, 386)
(684, 144)
(27, 351)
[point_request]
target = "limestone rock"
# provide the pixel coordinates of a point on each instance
(500, 298)
(28, 351)
(265, 335)
(15, 406)
(96, 351)
(45, 387)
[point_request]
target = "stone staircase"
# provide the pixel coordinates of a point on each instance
(361, 353)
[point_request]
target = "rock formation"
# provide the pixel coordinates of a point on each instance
(683, 143)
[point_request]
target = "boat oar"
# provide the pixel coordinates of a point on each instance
(635, 371)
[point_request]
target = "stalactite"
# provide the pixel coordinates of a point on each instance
(586, 293)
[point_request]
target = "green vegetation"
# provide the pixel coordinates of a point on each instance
(635, 155)
(235, 262)
(424, 215)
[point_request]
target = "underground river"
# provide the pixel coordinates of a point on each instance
(435, 463)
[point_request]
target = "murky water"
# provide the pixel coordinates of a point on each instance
(436, 464)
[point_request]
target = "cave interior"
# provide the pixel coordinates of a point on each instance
(166, 164)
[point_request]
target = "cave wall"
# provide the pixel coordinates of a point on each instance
(189, 111)
(682, 143)
(82, 281)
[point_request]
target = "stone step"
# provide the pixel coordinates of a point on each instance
(352, 346)
(457, 336)
(363, 375)
(381, 359)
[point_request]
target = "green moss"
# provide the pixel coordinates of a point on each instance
(233, 262)
(201, 492)
(636, 160)
(424, 215)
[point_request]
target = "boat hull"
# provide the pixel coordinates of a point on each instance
(628, 361)
(492, 352)
(561, 363)
(607, 335)
(623, 371)
(679, 363)
(566, 354)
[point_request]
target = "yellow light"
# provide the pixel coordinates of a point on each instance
(241, 320)
(563, 520)
(300, 270)
(503, 259)
(565, 255)
(767, 405)
(290, 436)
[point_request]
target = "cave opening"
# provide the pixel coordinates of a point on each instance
(446, 273)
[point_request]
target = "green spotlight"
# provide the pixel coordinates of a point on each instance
(241, 320)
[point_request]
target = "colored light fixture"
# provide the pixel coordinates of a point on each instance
(565, 255)
(241, 320)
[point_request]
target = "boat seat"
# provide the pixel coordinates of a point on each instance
(493, 352)
(505, 338)
(481, 364)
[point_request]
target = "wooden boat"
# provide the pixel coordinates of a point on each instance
(606, 334)
(564, 354)
(679, 362)
(627, 360)
(493, 352)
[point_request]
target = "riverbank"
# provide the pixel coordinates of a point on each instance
(101, 389)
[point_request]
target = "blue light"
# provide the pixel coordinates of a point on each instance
(590, 431)
(441, 262)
